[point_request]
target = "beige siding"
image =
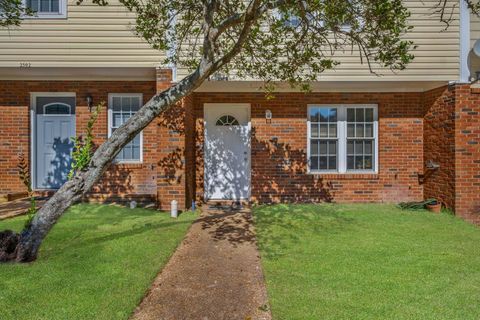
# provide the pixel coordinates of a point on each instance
(474, 29)
(95, 36)
(437, 53)
(92, 36)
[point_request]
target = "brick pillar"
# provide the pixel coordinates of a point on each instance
(467, 152)
(171, 180)
(452, 140)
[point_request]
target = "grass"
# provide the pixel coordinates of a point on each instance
(368, 262)
(96, 263)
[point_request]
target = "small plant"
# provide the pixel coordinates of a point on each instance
(417, 205)
(84, 148)
(24, 174)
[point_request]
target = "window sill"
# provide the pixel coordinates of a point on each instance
(128, 164)
(46, 16)
(347, 176)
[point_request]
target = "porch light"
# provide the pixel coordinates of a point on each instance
(268, 115)
(89, 102)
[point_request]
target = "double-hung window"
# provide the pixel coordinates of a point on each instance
(342, 139)
(121, 106)
(49, 9)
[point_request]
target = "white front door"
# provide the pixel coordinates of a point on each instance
(55, 127)
(227, 151)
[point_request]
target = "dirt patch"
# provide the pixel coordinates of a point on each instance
(214, 274)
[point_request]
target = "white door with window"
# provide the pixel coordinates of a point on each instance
(54, 129)
(227, 151)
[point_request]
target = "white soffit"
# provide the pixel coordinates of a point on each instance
(327, 86)
(79, 74)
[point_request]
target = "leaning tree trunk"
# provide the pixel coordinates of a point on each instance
(30, 239)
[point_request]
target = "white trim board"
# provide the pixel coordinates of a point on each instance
(78, 74)
(325, 86)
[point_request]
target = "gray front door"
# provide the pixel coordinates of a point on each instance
(55, 127)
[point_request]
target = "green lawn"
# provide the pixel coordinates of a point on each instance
(368, 262)
(96, 263)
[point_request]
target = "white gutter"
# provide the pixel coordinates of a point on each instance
(464, 42)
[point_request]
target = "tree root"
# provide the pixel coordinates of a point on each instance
(8, 245)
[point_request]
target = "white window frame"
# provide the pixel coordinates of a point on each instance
(62, 11)
(110, 123)
(342, 138)
(55, 114)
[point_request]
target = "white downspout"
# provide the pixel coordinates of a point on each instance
(464, 42)
(173, 46)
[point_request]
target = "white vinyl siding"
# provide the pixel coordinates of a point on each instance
(342, 139)
(121, 107)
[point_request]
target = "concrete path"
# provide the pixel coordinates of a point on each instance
(17, 207)
(214, 274)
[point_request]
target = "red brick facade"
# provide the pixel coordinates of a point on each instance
(452, 140)
(439, 145)
(441, 125)
(467, 152)
(279, 148)
(149, 181)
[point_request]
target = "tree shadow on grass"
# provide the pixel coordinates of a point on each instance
(135, 230)
(281, 227)
(93, 219)
(230, 224)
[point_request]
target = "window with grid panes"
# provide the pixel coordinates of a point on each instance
(323, 139)
(342, 138)
(121, 108)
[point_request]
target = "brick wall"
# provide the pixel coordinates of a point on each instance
(467, 152)
(279, 148)
(162, 139)
(442, 125)
(439, 145)
(171, 150)
(14, 139)
(452, 140)
(190, 155)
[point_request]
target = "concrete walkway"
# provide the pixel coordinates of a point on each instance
(17, 207)
(214, 274)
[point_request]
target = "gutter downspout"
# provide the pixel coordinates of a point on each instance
(464, 42)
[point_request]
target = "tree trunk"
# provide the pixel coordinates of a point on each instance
(73, 190)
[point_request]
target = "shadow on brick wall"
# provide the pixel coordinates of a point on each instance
(116, 187)
(172, 166)
(280, 175)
